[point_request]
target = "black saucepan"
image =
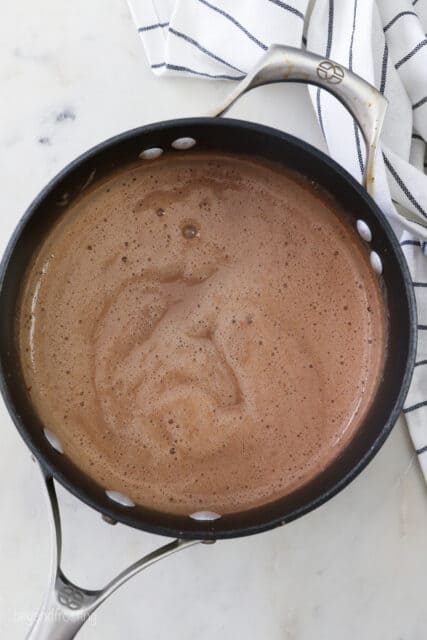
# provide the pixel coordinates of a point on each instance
(212, 133)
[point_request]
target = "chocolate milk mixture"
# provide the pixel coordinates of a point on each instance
(202, 332)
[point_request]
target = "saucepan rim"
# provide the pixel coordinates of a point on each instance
(52, 463)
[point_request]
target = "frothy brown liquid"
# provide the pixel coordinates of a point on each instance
(202, 332)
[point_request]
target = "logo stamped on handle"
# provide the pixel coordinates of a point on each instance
(329, 71)
(70, 597)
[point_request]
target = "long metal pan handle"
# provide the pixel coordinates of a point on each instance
(362, 100)
(66, 606)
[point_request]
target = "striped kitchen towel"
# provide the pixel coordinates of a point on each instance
(385, 42)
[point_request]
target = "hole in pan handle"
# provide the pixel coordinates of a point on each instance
(361, 99)
(66, 606)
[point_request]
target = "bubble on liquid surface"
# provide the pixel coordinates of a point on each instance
(190, 231)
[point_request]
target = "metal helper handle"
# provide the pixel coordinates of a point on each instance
(362, 100)
(66, 607)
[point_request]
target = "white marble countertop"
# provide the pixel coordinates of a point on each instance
(71, 75)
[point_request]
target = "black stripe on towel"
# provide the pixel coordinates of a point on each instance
(328, 53)
(350, 65)
(350, 55)
(416, 136)
(419, 284)
(397, 17)
(175, 67)
(422, 450)
(384, 68)
(419, 103)
(411, 54)
(319, 112)
(234, 21)
(359, 147)
(403, 186)
(178, 34)
(330, 28)
(288, 7)
(420, 363)
(422, 327)
(413, 243)
(415, 406)
(150, 27)
(220, 76)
